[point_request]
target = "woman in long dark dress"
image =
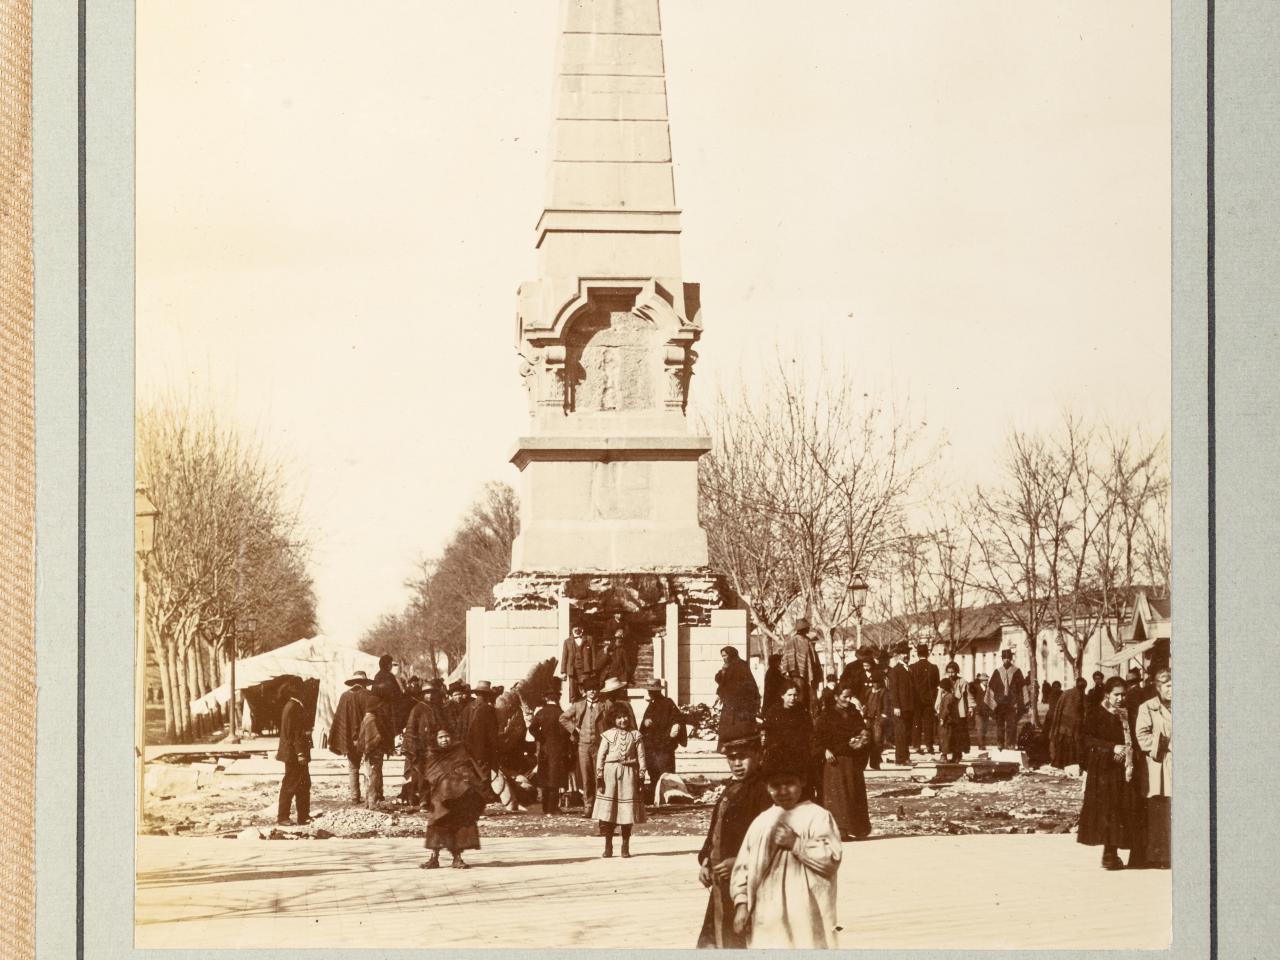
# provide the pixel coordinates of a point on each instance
(788, 731)
(841, 736)
(1110, 756)
(554, 752)
(459, 793)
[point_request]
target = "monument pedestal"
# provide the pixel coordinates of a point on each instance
(678, 622)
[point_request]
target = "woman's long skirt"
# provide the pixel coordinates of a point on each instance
(1158, 815)
(453, 835)
(619, 802)
(844, 793)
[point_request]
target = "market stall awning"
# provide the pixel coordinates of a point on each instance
(1130, 651)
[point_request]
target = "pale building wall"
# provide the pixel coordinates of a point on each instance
(503, 644)
(700, 647)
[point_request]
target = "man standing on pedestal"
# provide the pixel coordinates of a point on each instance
(1005, 697)
(924, 680)
(800, 664)
(900, 701)
(577, 662)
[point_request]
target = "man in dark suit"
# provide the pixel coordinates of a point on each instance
(1005, 694)
(900, 700)
(294, 751)
(924, 681)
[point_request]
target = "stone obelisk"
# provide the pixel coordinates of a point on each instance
(609, 537)
(606, 333)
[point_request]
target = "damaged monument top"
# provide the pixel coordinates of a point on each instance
(606, 333)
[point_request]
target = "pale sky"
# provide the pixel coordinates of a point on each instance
(969, 202)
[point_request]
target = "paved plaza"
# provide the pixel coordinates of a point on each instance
(985, 891)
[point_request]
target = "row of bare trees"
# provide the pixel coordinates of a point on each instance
(227, 550)
(811, 485)
(431, 631)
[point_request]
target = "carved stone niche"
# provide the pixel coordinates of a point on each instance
(614, 348)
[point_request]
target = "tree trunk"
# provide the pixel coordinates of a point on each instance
(193, 667)
(166, 691)
(170, 667)
(184, 692)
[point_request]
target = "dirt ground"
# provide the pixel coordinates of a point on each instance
(227, 805)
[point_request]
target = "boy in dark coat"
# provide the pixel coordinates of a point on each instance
(373, 747)
(294, 751)
(744, 797)
(344, 732)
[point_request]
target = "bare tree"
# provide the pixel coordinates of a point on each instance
(820, 477)
(1007, 523)
(226, 547)
(950, 576)
(746, 539)
(476, 558)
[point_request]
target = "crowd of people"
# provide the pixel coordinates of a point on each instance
(796, 754)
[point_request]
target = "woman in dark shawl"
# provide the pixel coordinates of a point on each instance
(840, 734)
(1109, 757)
(788, 731)
(737, 690)
(459, 793)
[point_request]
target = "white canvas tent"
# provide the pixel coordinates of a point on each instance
(320, 658)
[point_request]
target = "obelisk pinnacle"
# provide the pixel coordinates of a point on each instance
(610, 168)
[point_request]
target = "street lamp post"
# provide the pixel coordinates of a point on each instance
(858, 593)
(145, 516)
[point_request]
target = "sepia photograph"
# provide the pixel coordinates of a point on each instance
(627, 474)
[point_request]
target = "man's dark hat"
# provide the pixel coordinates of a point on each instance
(435, 683)
(1006, 654)
(802, 625)
(902, 647)
(290, 687)
(866, 653)
(655, 685)
(743, 733)
(459, 686)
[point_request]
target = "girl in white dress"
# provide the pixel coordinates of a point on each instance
(620, 774)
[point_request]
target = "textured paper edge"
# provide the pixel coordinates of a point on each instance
(17, 490)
